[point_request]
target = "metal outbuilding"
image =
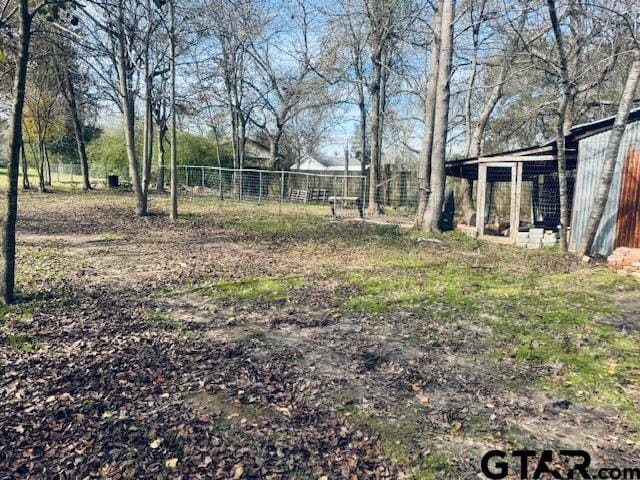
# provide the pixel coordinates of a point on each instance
(620, 225)
(526, 171)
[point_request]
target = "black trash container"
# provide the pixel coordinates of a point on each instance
(113, 181)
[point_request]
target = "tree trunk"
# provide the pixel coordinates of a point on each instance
(274, 146)
(15, 141)
(48, 165)
(563, 123)
(128, 112)
(242, 140)
(25, 168)
(383, 199)
(160, 138)
(147, 144)
(562, 172)
(433, 211)
(424, 162)
(42, 183)
(174, 152)
(363, 137)
(611, 156)
(78, 129)
(374, 166)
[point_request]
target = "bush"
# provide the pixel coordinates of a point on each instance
(108, 156)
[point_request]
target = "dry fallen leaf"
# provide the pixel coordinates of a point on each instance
(284, 411)
(238, 471)
(156, 443)
(423, 399)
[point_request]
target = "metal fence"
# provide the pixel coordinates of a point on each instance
(343, 194)
(396, 192)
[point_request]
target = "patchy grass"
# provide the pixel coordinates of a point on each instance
(404, 441)
(295, 312)
(253, 288)
(537, 319)
(21, 343)
(162, 321)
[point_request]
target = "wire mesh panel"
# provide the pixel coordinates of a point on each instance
(517, 200)
(339, 195)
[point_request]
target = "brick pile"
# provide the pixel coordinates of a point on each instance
(626, 261)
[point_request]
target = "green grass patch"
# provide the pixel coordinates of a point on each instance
(402, 441)
(536, 318)
(21, 342)
(162, 321)
(254, 288)
(452, 286)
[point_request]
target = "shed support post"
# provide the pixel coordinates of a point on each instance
(481, 198)
(516, 195)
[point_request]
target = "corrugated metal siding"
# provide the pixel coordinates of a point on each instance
(628, 224)
(591, 152)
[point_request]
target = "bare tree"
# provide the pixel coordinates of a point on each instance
(44, 117)
(433, 211)
(238, 27)
(25, 17)
(352, 33)
(68, 78)
(289, 81)
(380, 15)
(113, 43)
(570, 46)
(424, 165)
(172, 106)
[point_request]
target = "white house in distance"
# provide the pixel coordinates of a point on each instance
(321, 164)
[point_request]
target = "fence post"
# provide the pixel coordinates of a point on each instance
(335, 192)
(220, 183)
(71, 174)
(202, 169)
(260, 186)
(281, 189)
(364, 196)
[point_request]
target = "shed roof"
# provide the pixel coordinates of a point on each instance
(537, 159)
(584, 130)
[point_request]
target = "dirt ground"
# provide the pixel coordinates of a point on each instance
(241, 342)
